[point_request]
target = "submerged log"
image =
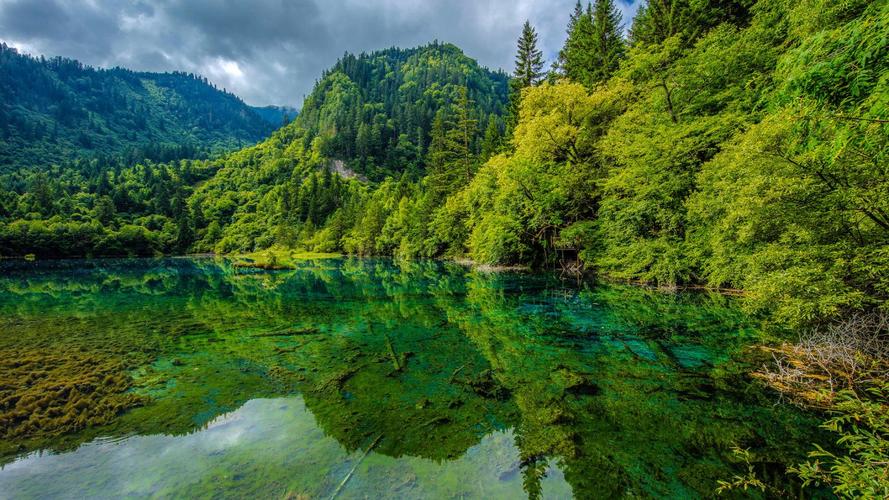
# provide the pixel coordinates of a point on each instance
(290, 332)
(345, 480)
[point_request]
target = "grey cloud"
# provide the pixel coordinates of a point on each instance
(62, 27)
(272, 51)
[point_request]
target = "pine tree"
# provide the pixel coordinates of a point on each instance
(491, 140)
(452, 160)
(529, 59)
(465, 132)
(528, 72)
(566, 53)
(607, 41)
(595, 44)
(441, 154)
(578, 50)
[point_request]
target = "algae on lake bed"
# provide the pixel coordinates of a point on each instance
(44, 395)
(535, 384)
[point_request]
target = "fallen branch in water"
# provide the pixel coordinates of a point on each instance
(345, 480)
(852, 355)
(290, 332)
(454, 374)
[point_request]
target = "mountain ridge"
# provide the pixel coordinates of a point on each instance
(59, 109)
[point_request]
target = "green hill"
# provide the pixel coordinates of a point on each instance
(55, 110)
(370, 116)
(375, 111)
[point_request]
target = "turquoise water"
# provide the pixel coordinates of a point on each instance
(369, 378)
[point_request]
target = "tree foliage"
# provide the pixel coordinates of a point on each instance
(735, 144)
(56, 110)
(529, 58)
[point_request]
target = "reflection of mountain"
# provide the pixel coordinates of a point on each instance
(630, 400)
(268, 448)
(631, 392)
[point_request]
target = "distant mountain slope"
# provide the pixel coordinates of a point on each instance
(369, 117)
(276, 116)
(375, 111)
(52, 110)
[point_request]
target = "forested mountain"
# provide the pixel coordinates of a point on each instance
(390, 114)
(376, 111)
(387, 113)
(276, 116)
(56, 110)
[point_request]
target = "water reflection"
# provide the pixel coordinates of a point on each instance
(266, 448)
(533, 383)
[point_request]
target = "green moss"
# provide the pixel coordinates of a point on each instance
(48, 394)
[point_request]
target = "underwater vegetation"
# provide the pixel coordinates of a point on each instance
(408, 377)
(45, 395)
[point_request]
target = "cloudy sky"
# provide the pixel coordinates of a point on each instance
(272, 51)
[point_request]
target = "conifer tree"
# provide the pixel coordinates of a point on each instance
(529, 59)
(607, 41)
(528, 71)
(562, 63)
(465, 132)
(452, 161)
(441, 154)
(578, 50)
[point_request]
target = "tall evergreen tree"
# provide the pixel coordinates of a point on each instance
(567, 50)
(441, 154)
(452, 161)
(528, 71)
(577, 53)
(607, 41)
(529, 59)
(465, 131)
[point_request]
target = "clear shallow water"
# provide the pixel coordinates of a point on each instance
(428, 380)
(264, 447)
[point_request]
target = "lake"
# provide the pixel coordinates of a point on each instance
(356, 378)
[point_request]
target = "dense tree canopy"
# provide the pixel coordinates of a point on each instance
(731, 144)
(55, 110)
(375, 112)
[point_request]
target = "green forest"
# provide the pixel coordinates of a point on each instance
(733, 146)
(58, 109)
(738, 145)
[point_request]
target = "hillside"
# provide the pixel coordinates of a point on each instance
(276, 116)
(371, 114)
(55, 110)
(376, 111)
